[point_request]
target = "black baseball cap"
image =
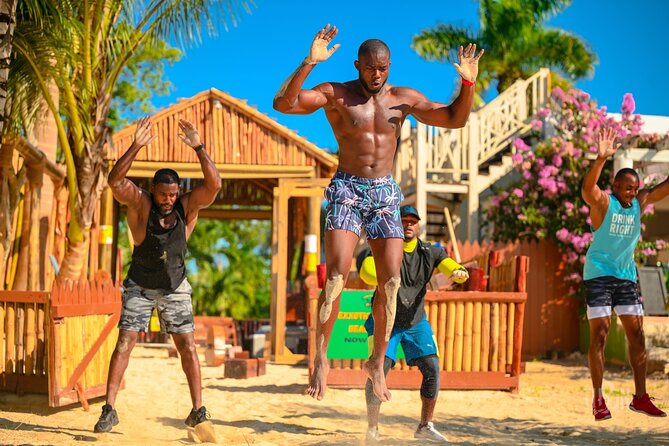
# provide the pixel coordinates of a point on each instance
(409, 210)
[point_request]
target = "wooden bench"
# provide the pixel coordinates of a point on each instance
(479, 334)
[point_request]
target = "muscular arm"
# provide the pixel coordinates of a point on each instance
(203, 195)
(291, 98)
(437, 114)
(124, 190)
(596, 198)
(653, 195)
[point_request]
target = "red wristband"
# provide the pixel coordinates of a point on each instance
(466, 82)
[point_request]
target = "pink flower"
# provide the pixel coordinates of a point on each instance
(581, 258)
(517, 158)
(557, 160)
(584, 210)
(568, 205)
(519, 144)
(660, 244)
(649, 210)
(518, 193)
(570, 256)
(544, 112)
(522, 217)
(527, 174)
(628, 104)
(536, 124)
(558, 94)
(495, 200)
(563, 235)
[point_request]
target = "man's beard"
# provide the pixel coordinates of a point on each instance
(366, 87)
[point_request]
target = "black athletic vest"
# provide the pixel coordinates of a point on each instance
(158, 263)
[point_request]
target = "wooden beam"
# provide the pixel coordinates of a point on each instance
(146, 169)
(235, 214)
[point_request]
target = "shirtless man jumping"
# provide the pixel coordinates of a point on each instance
(366, 115)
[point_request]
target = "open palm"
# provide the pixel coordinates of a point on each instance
(468, 67)
(319, 47)
(605, 146)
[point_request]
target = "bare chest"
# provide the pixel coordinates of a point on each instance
(379, 116)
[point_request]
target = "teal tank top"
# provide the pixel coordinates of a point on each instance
(612, 250)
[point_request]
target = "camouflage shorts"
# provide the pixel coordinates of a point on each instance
(175, 310)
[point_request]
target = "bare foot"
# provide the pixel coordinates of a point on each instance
(318, 380)
(378, 381)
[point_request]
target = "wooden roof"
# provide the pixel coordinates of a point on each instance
(242, 141)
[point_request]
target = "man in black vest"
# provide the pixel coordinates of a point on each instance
(160, 223)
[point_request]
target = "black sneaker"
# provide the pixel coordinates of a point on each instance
(107, 420)
(196, 417)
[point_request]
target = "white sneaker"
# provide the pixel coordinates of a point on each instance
(428, 432)
(373, 436)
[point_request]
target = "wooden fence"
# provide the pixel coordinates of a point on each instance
(59, 342)
(551, 318)
(479, 335)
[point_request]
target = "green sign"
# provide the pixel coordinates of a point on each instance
(349, 338)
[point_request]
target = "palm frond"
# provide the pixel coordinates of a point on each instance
(441, 43)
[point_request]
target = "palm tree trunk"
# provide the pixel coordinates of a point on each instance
(91, 179)
(7, 22)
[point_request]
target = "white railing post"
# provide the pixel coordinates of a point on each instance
(473, 191)
(421, 176)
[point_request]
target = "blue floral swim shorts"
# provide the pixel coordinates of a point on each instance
(356, 201)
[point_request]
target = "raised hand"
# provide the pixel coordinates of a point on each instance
(605, 146)
(143, 132)
(468, 68)
(319, 47)
(460, 275)
(189, 133)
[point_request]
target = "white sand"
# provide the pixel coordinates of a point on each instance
(553, 407)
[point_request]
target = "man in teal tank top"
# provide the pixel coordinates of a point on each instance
(610, 272)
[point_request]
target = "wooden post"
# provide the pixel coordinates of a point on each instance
(485, 337)
(421, 175)
(450, 336)
(459, 335)
(469, 325)
(502, 337)
(442, 341)
(476, 334)
(510, 331)
(2, 331)
(30, 333)
(10, 332)
(279, 269)
(494, 335)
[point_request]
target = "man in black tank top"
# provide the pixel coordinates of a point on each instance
(160, 222)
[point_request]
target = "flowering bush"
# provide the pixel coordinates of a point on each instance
(546, 202)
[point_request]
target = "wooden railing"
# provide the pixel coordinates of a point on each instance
(451, 153)
(479, 335)
(59, 342)
(23, 322)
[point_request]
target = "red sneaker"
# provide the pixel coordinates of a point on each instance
(645, 405)
(599, 409)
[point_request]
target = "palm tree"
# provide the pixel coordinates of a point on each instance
(84, 46)
(7, 22)
(516, 40)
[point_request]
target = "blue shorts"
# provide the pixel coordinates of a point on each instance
(356, 201)
(417, 341)
(604, 293)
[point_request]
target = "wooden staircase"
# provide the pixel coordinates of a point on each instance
(438, 167)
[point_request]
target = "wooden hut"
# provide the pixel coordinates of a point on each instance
(268, 172)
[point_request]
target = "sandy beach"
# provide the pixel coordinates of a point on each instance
(553, 407)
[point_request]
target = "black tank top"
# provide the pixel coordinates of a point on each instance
(158, 263)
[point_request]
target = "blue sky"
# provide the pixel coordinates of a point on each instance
(251, 61)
